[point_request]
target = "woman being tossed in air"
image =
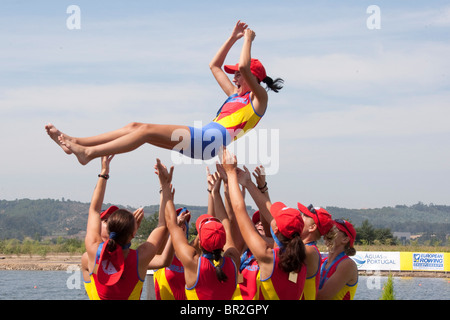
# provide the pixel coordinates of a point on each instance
(246, 104)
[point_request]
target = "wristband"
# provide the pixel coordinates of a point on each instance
(104, 176)
(264, 186)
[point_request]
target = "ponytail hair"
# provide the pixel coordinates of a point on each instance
(221, 276)
(293, 253)
(121, 225)
(215, 257)
(350, 251)
(274, 85)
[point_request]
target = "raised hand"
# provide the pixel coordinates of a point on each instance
(165, 176)
(249, 34)
(239, 30)
(229, 160)
(244, 177)
(106, 160)
(260, 176)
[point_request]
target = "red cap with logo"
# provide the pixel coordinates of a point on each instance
(289, 220)
(347, 228)
(105, 214)
(321, 217)
(211, 232)
(256, 68)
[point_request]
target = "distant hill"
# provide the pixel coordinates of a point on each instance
(48, 217)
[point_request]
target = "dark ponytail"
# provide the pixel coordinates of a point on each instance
(221, 276)
(293, 254)
(215, 257)
(121, 225)
(274, 85)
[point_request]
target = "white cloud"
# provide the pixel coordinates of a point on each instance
(389, 72)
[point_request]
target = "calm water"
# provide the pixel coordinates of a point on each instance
(61, 285)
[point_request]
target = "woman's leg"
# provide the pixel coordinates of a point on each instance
(90, 141)
(163, 136)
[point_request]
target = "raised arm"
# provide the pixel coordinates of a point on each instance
(219, 59)
(93, 230)
(261, 199)
(220, 213)
(185, 252)
(158, 236)
(236, 233)
(254, 241)
(261, 183)
(259, 97)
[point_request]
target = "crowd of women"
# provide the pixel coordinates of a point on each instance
(272, 255)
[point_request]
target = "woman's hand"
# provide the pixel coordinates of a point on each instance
(106, 160)
(244, 177)
(138, 215)
(214, 182)
(260, 177)
(182, 218)
(239, 30)
(229, 160)
(165, 176)
(249, 34)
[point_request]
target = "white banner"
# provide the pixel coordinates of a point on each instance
(377, 260)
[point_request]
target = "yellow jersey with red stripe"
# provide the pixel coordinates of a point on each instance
(237, 115)
(169, 282)
(348, 291)
(90, 289)
(312, 283)
(281, 285)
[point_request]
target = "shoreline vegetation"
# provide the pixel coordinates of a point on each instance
(61, 261)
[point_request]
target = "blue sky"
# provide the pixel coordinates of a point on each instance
(362, 119)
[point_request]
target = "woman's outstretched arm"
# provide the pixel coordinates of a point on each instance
(93, 230)
(219, 59)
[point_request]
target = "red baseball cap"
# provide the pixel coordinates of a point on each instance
(256, 68)
(211, 232)
(320, 216)
(110, 265)
(105, 214)
(289, 220)
(347, 228)
(256, 218)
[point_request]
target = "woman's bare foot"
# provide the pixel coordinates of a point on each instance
(79, 151)
(54, 134)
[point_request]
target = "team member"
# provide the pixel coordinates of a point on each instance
(282, 270)
(169, 280)
(88, 283)
(318, 222)
(247, 288)
(339, 273)
(117, 271)
(209, 275)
